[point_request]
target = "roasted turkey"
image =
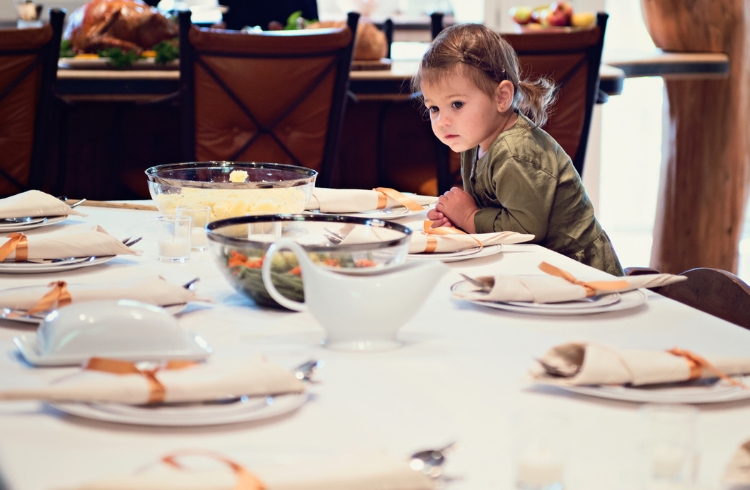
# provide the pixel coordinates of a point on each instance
(127, 24)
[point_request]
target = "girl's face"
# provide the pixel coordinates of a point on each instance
(462, 115)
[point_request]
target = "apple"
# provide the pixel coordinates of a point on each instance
(521, 14)
(560, 14)
(539, 15)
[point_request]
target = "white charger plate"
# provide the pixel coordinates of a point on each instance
(708, 391)
(395, 212)
(246, 409)
(104, 63)
(473, 253)
(36, 319)
(628, 300)
(10, 227)
(32, 268)
(603, 300)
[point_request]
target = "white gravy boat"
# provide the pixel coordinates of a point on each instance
(357, 312)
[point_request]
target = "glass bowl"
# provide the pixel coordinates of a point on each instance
(239, 246)
(268, 188)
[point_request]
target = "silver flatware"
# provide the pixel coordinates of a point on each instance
(332, 236)
(75, 205)
(28, 220)
(189, 284)
(430, 461)
(557, 371)
(132, 242)
(485, 288)
(125, 240)
(306, 370)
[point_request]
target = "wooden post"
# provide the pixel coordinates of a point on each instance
(706, 168)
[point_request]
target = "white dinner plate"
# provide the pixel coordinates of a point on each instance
(246, 409)
(32, 268)
(603, 300)
(473, 253)
(628, 300)
(104, 63)
(706, 391)
(395, 212)
(10, 227)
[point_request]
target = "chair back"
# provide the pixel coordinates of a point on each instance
(28, 71)
(713, 291)
(572, 60)
(275, 96)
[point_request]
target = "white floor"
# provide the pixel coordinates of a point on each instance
(629, 173)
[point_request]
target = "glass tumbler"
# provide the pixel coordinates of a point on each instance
(201, 216)
(174, 238)
(669, 451)
(541, 442)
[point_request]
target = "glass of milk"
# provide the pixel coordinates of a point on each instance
(541, 444)
(201, 216)
(174, 233)
(671, 458)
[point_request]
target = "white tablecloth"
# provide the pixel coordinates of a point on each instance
(458, 377)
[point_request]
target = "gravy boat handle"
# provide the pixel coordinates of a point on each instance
(299, 252)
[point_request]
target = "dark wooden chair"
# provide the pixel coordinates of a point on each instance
(713, 291)
(275, 96)
(28, 72)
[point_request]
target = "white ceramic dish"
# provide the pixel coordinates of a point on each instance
(246, 409)
(36, 319)
(628, 300)
(473, 253)
(123, 329)
(709, 391)
(11, 227)
(32, 268)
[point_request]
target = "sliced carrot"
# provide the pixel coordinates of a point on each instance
(297, 271)
(332, 262)
(364, 263)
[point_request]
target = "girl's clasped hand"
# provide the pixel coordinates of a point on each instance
(459, 205)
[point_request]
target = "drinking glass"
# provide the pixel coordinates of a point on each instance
(541, 443)
(174, 238)
(200, 215)
(670, 456)
(29, 14)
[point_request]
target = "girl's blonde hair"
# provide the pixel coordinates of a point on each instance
(478, 52)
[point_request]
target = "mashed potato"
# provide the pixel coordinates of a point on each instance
(227, 203)
(237, 176)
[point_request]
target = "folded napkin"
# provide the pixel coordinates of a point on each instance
(738, 470)
(359, 200)
(446, 239)
(107, 380)
(95, 241)
(34, 203)
(360, 471)
(575, 364)
(154, 290)
(559, 287)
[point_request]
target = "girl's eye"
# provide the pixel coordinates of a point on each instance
(457, 105)
(433, 109)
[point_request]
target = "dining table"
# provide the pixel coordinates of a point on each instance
(459, 375)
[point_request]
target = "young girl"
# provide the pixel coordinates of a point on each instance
(516, 177)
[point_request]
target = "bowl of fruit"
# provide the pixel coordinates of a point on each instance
(555, 17)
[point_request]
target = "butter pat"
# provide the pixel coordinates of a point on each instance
(237, 176)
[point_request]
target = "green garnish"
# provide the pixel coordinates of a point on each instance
(66, 51)
(119, 58)
(167, 51)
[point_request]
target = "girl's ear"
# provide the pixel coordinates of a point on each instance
(504, 95)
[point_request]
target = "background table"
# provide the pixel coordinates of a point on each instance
(458, 377)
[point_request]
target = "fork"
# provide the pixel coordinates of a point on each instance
(485, 288)
(556, 371)
(132, 242)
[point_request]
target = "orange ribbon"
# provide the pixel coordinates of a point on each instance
(156, 389)
(245, 479)
(591, 286)
(17, 242)
(384, 193)
(58, 297)
(698, 364)
(442, 231)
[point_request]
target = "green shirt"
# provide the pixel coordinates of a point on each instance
(527, 183)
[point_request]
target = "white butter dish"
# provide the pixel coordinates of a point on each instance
(121, 329)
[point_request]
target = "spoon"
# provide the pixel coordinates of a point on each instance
(332, 236)
(560, 372)
(485, 288)
(429, 461)
(75, 205)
